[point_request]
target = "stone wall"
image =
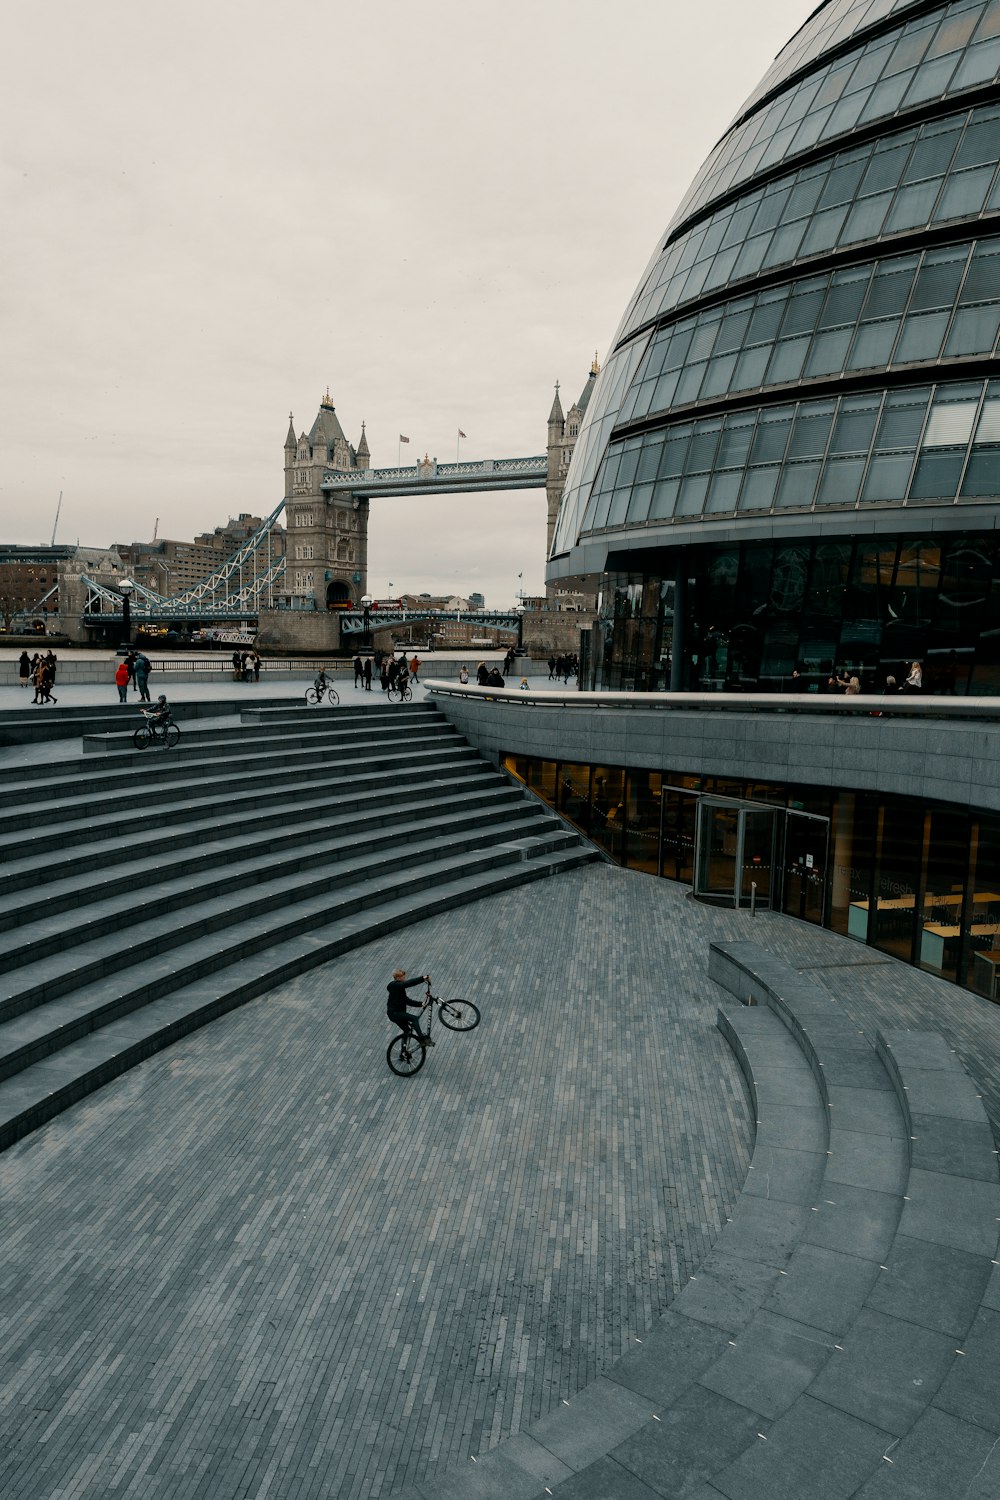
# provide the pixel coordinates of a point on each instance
(553, 632)
(942, 760)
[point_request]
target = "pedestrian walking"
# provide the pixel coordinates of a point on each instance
(368, 674)
(552, 667)
(142, 669)
(121, 680)
(24, 668)
(255, 664)
(415, 667)
(359, 670)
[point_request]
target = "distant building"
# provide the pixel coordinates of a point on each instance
(171, 567)
(35, 582)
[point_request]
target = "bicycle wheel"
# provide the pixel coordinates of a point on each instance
(405, 1055)
(312, 696)
(143, 737)
(333, 696)
(393, 695)
(169, 737)
(406, 693)
(458, 1015)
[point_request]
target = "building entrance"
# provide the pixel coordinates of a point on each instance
(734, 851)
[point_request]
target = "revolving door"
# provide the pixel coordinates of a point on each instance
(735, 846)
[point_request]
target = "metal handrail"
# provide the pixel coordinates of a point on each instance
(861, 705)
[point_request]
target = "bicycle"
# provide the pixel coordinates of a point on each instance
(316, 694)
(406, 1053)
(161, 736)
(400, 694)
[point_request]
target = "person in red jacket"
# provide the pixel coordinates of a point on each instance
(121, 678)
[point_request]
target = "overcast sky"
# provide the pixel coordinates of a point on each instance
(213, 211)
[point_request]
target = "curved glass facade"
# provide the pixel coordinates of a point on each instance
(814, 348)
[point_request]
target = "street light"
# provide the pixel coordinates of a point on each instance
(366, 605)
(125, 588)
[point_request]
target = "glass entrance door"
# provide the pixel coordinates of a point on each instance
(716, 845)
(807, 844)
(756, 855)
(734, 852)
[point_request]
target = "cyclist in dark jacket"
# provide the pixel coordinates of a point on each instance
(395, 1007)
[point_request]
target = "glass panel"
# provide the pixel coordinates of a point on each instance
(607, 810)
(718, 834)
(805, 868)
(946, 853)
(981, 948)
(899, 839)
(853, 852)
(573, 794)
(758, 857)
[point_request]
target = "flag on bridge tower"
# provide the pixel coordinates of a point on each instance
(461, 433)
(403, 439)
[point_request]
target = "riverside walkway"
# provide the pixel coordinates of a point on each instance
(260, 1264)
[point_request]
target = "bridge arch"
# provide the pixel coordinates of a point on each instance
(338, 594)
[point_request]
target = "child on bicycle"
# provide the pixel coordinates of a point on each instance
(395, 1007)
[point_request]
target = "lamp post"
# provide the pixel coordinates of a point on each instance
(125, 588)
(366, 605)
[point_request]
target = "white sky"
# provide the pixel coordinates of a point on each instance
(437, 208)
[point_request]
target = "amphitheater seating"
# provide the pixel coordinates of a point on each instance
(144, 894)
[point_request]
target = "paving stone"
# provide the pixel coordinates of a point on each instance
(595, 1421)
(861, 1161)
(605, 1480)
(812, 1451)
(971, 1390)
(770, 1364)
(787, 1176)
(825, 1289)
(726, 1292)
(855, 1220)
(695, 1438)
(934, 1285)
(952, 1211)
(941, 1457)
(888, 1371)
(663, 1363)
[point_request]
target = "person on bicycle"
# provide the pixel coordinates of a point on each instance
(159, 714)
(395, 1007)
(320, 683)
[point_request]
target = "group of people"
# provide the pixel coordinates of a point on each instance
(40, 672)
(841, 682)
(134, 668)
(564, 667)
(392, 672)
(246, 666)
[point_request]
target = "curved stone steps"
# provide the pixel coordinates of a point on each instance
(205, 863)
(196, 995)
(265, 813)
(118, 872)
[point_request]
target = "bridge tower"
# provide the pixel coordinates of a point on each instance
(563, 433)
(326, 562)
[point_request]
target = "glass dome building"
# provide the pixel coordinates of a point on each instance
(792, 455)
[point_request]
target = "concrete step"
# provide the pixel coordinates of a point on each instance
(156, 768)
(76, 816)
(305, 727)
(30, 934)
(279, 818)
(68, 961)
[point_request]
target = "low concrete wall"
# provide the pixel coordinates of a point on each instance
(936, 758)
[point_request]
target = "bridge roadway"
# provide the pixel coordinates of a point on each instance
(262, 1265)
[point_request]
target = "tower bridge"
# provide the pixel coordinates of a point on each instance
(315, 592)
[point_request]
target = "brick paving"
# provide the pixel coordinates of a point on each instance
(262, 1265)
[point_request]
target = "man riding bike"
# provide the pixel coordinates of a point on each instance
(397, 1002)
